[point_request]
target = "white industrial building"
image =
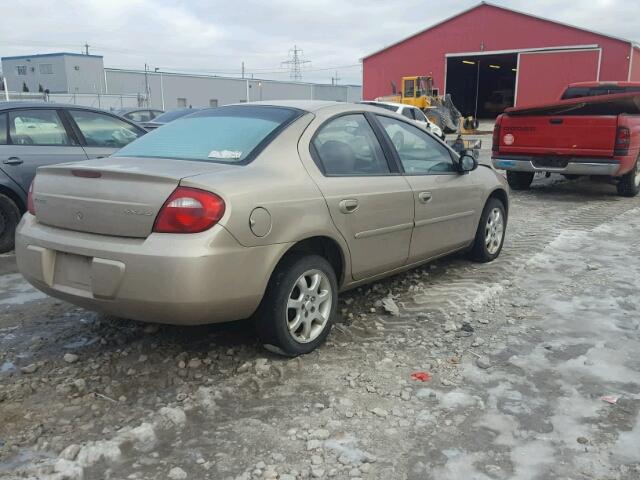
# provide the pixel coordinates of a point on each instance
(78, 74)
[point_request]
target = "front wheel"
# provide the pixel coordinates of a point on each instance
(519, 180)
(299, 306)
(629, 184)
(491, 231)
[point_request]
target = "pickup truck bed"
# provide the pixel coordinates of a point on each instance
(584, 136)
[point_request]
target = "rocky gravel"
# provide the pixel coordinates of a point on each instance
(451, 371)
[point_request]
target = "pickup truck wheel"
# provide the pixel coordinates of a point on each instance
(9, 218)
(299, 306)
(629, 184)
(490, 234)
(520, 180)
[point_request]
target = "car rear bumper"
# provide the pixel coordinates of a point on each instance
(165, 278)
(568, 166)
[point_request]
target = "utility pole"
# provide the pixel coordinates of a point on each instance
(295, 63)
(86, 48)
(146, 85)
(242, 69)
(334, 80)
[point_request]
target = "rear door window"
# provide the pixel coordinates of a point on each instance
(100, 130)
(347, 145)
(37, 127)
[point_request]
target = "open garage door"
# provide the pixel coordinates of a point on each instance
(543, 76)
(481, 85)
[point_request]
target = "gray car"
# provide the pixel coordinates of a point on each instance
(265, 210)
(33, 134)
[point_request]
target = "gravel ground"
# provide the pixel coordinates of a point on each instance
(492, 371)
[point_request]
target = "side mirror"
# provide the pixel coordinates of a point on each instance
(468, 163)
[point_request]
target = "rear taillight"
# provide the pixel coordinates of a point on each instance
(189, 210)
(623, 140)
(30, 205)
(495, 146)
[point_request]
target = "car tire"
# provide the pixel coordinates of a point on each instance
(288, 303)
(490, 233)
(520, 180)
(9, 218)
(629, 184)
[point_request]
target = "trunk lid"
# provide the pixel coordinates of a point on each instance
(112, 196)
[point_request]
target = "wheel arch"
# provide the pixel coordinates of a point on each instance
(500, 194)
(325, 246)
(15, 197)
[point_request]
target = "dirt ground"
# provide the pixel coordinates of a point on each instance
(519, 355)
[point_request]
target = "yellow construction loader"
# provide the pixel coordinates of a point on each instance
(419, 92)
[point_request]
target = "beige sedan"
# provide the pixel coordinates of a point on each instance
(262, 210)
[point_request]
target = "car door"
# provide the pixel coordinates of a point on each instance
(102, 134)
(446, 201)
(370, 203)
(36, 137)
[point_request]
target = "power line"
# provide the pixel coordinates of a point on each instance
(295, 63)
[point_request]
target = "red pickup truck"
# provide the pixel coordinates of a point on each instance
(594, 130)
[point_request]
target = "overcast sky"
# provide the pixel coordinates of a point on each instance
(210, 36)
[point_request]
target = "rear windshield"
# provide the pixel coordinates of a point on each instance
(579, 92)
(233, 134)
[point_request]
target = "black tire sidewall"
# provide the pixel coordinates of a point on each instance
(627, 186)
(520, 180)
(271, 324)
(11, 215)
(479, 251)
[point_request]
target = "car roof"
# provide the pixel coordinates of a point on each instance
(121, 111)
(306, 105)
(391, 104)
(28, 104)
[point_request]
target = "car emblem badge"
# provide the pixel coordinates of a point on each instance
(79, 216)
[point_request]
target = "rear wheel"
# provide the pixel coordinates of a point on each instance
(491, 230)
(299, 306)
(9, 218)
(629, 184)
(520, 180)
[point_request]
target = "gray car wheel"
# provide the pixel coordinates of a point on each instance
(298, 308)
(491, 231)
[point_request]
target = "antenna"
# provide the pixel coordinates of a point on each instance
(295, 63)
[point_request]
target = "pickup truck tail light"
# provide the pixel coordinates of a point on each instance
(623, 140)
(496, 134)
(189, 210)
(31, 208)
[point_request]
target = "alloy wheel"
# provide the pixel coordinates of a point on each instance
(494, 231)
(309, 306)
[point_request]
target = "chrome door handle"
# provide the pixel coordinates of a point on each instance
(12, 161)
(348, 205)
(425, 197)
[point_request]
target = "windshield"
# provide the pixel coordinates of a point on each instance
(173, 114)
(233, 134)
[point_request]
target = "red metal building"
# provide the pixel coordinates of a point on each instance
(490, 57)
